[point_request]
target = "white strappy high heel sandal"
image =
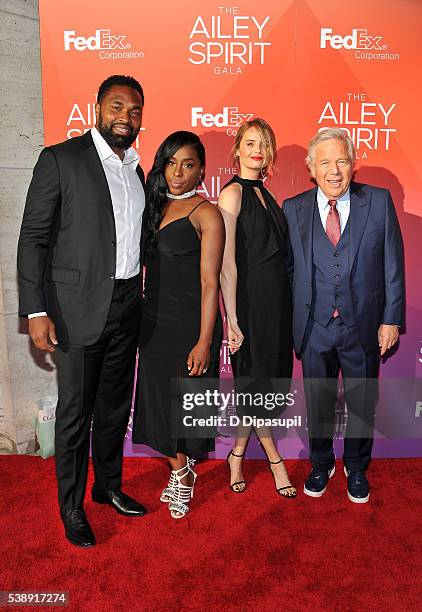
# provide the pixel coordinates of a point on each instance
(182, 494)
(167, 494)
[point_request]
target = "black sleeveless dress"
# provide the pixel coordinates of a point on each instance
(263, 297)
(170, 328)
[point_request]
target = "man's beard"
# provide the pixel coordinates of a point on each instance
(115, 140)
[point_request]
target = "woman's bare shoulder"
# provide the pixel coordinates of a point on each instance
(208, 211)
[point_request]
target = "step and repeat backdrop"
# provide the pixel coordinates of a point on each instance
(303, 65)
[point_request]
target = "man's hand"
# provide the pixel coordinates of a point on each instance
(43, 333)
(387, 337)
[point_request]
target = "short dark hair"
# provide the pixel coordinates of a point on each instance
(119, 79)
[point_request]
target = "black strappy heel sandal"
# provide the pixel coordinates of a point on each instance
(283, 491)
(241, 482)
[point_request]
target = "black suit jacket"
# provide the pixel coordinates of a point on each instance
(67, 243)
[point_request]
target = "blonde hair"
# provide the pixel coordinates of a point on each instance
(328, 134)
(267, 137)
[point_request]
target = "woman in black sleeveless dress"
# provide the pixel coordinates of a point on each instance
(181, 328)
(256, 290)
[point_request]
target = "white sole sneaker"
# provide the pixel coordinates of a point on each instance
(319, 493)
(356, 500)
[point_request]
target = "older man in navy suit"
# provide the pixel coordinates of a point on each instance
(347, 278)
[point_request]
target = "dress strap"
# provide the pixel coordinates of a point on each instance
(193, 209)
(247, 182)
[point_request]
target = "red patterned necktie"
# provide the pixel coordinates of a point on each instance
(333, 231)
(333, 223)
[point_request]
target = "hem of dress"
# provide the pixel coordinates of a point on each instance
(165, 454)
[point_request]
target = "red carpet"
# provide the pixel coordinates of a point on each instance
(253, 551)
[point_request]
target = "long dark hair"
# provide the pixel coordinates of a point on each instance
(156, 186)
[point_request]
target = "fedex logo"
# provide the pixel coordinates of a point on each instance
(102, 39)
(358, 39)
(229, 117)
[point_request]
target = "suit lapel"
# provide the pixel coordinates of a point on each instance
(141, 175)
(360, 204)
(95, 167)
(305, 211)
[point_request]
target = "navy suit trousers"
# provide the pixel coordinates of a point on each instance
(328, 351)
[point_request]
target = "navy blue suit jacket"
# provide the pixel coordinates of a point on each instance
(375, 261)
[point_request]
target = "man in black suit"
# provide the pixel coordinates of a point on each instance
(79, 282)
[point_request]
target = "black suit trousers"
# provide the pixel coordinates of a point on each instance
(95, 386)
(327, 351)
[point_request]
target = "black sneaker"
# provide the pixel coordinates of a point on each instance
(317, 481)
(357, 486)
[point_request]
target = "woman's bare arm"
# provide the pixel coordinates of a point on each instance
(212, 231)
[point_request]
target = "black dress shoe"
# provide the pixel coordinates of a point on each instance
(317, 481)
(357, 486)
(122, 503)
(76, 527)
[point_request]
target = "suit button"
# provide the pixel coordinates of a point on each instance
(336, 255)
(113, 243)
(307, 306)
(112, 276)
(336, 275)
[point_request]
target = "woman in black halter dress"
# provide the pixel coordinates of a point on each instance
(181, 328)
(256, 291)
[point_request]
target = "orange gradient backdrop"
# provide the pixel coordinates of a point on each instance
(368, 71)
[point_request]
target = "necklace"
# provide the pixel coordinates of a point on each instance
(182, 196)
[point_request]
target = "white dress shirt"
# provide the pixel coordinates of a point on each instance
(128, 201)
(343, 207)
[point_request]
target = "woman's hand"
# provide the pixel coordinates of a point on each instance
(199, 359)
(234, 337)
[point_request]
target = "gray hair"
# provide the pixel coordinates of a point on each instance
(328, 134)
